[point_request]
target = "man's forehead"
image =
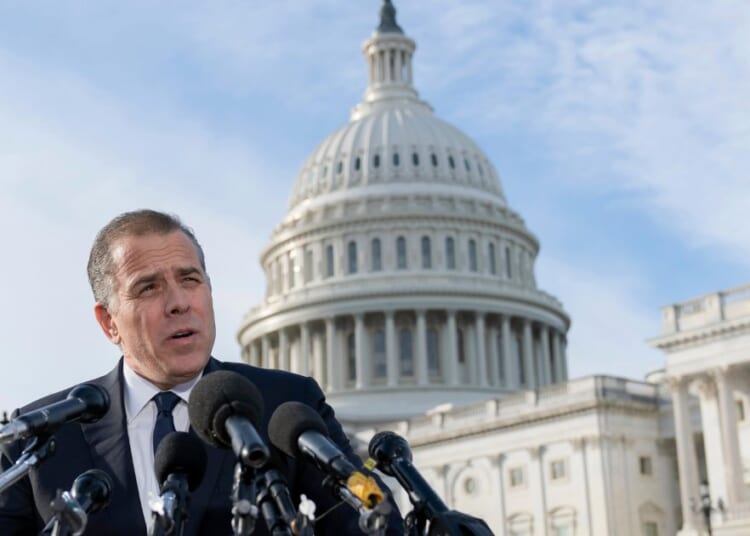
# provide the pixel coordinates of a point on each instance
(134, 252)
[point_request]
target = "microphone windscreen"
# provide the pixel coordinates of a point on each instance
(95, 398)
(218, 396)
(180, 452)
(291, 420)
(92, 490)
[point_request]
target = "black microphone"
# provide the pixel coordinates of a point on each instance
(298, 431)
(393, 456)
(225, 411)
(84, 403)
(179, 464)
(90, 493)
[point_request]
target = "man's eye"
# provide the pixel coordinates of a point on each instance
(147, 289)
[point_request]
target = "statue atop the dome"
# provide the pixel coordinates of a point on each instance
(388, 19)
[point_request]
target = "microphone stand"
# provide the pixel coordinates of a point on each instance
(371, 521)
(171, 509)
(275, 523)
(40, 448)
(69, 518)
(244, 494)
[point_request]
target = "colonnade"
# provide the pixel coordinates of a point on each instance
(416, 347)
(724, 469)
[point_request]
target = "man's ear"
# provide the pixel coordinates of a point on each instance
(107, 323)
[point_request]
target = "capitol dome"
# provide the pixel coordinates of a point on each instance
(399, 268)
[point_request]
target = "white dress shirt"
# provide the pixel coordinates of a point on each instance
(140, 413)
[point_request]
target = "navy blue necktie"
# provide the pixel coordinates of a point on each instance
(165, 403)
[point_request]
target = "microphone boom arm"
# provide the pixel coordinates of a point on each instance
(39, 450)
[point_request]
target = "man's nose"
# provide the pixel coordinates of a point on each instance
(178, 300)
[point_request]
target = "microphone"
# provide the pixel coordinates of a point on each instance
(179, 465)
(85, 403)
(393, 457)
(298, 431)
(225, 411)
(91, 491)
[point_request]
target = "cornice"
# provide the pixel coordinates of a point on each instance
(447, 296)
(528, 419)
(700, 335)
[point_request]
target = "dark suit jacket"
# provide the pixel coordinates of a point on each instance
(25, 507)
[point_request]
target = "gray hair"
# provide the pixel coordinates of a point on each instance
(136, 223)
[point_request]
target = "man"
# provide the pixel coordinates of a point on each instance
(153, 300)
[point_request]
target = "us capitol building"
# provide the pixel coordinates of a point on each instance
(403, 282)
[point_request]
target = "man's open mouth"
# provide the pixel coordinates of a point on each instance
(182, 334)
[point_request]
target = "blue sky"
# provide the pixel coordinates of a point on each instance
(621, 132)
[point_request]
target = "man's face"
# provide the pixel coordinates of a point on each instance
(161, 313)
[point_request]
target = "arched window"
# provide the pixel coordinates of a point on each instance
(329, 261)
(466, 165)
(451, 162)
(450, 253)
(277, 279)
(406, 352)
(401, 253)
(378, 353)
(415, 159)
(351, 355)
(352, 250)
(376, 161)
(340, 167)
(426, 253)
(377, 261)
(508, 263)
(357, 163)
(291, 268)
(433, 157)
(308, 265)
(491, 255)
(433, 352)
(473, 265)
(396, 159)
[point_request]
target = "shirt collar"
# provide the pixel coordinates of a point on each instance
(139, 391)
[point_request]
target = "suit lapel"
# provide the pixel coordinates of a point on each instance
(110, 451)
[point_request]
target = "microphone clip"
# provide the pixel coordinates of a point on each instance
(40, 448)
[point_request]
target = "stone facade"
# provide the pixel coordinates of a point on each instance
(402, 281)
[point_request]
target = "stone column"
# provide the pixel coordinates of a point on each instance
(391, 352)
(481, 354)
(254, 356)
(528, 356)
(265, 354)
(362, 379)
(494, 372)
(557, 353)
(304, 353)
(537, 487)
(452, 353)
(511, 368)
(318, 362)
(331, 369)
(421, 362)
(546, 372)
(733, 467)
(712, 437)
(686, 459)
(563, 358)
(283, 361)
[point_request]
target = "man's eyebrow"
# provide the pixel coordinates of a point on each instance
(147, 278)
(189, 270)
